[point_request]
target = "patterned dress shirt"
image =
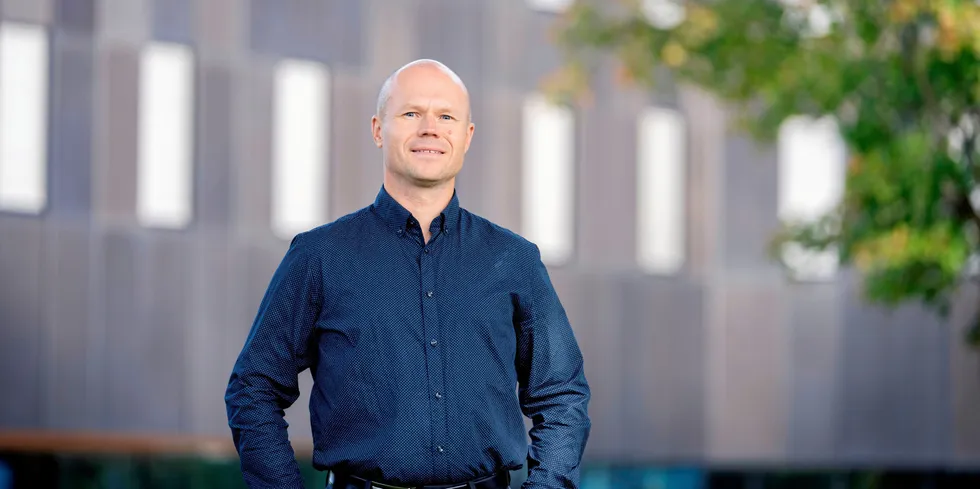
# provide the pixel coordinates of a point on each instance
(425, 356)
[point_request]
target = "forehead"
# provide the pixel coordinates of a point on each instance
(427, 85)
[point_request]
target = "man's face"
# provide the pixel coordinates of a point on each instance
(425, 130)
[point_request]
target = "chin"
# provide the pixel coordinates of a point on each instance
(429, 182)
(432, 180)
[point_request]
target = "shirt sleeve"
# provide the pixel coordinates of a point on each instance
(264, 379)
(553, 390)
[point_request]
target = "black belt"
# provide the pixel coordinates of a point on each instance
(500, 480)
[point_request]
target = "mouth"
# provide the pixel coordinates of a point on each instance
(427, 151)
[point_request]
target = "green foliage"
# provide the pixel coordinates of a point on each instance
(901, 79)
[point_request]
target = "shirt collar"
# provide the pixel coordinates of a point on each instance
(396, 216)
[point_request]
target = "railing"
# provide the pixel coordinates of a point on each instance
(100, 460)
(99, 443)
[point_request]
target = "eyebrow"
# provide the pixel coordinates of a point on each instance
(437, 108)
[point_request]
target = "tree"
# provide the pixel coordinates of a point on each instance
(900, 79)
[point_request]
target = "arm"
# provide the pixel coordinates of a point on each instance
(553, 390)
(264, 380)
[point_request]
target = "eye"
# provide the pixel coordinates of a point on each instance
(447, 117)
(411, 113)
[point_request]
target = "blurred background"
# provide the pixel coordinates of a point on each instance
(156, 157)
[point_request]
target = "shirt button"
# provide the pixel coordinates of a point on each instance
(426, 251)
(428, 294)
(433, 342)
(440, 449)
(438, 395)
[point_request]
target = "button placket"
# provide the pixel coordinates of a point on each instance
(434, 357)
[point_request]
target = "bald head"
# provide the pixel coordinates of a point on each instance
(385, 93)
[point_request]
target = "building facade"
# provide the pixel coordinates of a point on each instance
(130, 275)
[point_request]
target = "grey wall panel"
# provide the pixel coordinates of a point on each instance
(396, 19)
(706, 183)
(240, 312)
(261, 261)
(470, 182)
(125, 356)
(116, 180)
(896, 388)
(750, 395)
(606, 192)
(208, 364)
(75, 15)
(34, 11)
(220, 28)
(253, 149)
(124, 22)
(65, 274)
(663, 352)
(502, 180)
(72, 91)
(506, 44)
(343, 24)
(21, 321)
(535, 58)
(214, 180)
(96, 344)
(815, 370)
(750, 203)
(250, 272)
(159, 336)
(172, 21)
(298, 415)
(964, 370)
(356, 167)
(461, 33)
(324, 31)
(594, 319)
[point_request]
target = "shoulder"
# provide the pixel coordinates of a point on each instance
(499, 237)
(336, 233)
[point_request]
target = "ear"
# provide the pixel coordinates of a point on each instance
(376, 131)
(469, 135)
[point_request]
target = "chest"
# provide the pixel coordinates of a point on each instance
(414, 293)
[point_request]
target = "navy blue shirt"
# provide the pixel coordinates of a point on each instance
(425, 356)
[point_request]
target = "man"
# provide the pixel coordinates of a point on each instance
(428, 330)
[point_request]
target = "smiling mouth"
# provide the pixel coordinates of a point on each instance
(428, 151)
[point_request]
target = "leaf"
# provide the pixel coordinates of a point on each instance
(898, 76)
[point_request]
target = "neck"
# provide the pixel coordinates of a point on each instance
(425, 203)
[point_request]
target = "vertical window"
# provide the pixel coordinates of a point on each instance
(23, 117)
(661, 183)
(300, 142)
(554, 6)
(811, 183)
(548, 178)
(165, 157)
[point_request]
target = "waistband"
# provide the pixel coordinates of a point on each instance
(499, 480)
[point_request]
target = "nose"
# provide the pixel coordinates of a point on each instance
(427, 126)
